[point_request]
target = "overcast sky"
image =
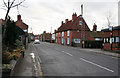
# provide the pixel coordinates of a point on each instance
(41, 15)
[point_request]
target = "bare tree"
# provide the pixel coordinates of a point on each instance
(9, 4)
(109, 19)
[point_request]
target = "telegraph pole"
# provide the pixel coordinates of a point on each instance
(82, 29)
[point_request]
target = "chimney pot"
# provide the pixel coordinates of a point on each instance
(62, 22)
(19, 17)
(94, 27)
(66, 20)
(74, 16)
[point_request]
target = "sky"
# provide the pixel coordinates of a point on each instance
(46, 15)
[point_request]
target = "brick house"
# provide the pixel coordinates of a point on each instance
(31, 37)
(74, 32)
(46, 37)
(21, 24)
(24, 27)
(112, 38)
(1, 21)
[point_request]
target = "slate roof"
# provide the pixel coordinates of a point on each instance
(20, 31)
(114, 28)
(97, 34)
(72, 25)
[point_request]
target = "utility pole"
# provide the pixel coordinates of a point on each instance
(82, 29)
(51, 34)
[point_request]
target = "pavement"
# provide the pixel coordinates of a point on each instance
(101, 51)
(27, 67)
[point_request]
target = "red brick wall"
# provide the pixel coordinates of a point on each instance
(21, 25)
(107, 46)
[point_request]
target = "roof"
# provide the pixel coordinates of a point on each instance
(20, 31)
(97, 34)
(72, 25)
(31, 34)
(2, 21)
(114, 28)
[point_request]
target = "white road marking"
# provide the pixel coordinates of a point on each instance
(67, 53)
(97, 65)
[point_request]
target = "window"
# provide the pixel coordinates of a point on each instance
(59, 33)
(62, 40)
(56, 34)
(107, 40)
(76, 40)
(62, 34)
(97, 39)
(104, 40)
(56, 40)
(67, 40)
(117, 39)
(68, 33)
(80, 22)
(113, 39)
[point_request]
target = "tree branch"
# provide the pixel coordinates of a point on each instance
(5, 4)
(4, 9)
(12, 3)
(18, 4)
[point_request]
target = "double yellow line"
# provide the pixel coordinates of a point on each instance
(39, 60)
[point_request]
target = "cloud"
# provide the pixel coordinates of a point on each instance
(41, 15)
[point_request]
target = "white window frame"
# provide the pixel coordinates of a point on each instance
(117, 39)
(104, 40)
(80, 22)
(56, 34)
(68, 33)
(113, 40)
(62, 40)
(62, 34)
(56, 40)
(107, 40)
(68, 41)
(59, 33)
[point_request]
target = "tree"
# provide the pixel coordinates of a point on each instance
(109, 19)
(11, 34)
(9, 4)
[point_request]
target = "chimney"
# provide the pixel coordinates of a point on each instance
(66, 20)
(62, 23)
(55, 31)
(19, 17)
(74, 16)
(94, 27)
(82, 9)
(44, 32)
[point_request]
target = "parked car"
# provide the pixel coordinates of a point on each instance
(37, 41)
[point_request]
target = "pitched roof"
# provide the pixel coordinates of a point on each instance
(73, 25)
(114, 28)
(97, 34)
(20, 31)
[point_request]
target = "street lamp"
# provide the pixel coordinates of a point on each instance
(111, 34)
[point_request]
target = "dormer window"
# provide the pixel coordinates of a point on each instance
(80, 22)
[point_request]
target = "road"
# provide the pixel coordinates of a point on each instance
(59, 60)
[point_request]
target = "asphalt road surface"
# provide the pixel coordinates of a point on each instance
(59, 60)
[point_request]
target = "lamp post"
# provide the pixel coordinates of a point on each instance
(111, 34)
